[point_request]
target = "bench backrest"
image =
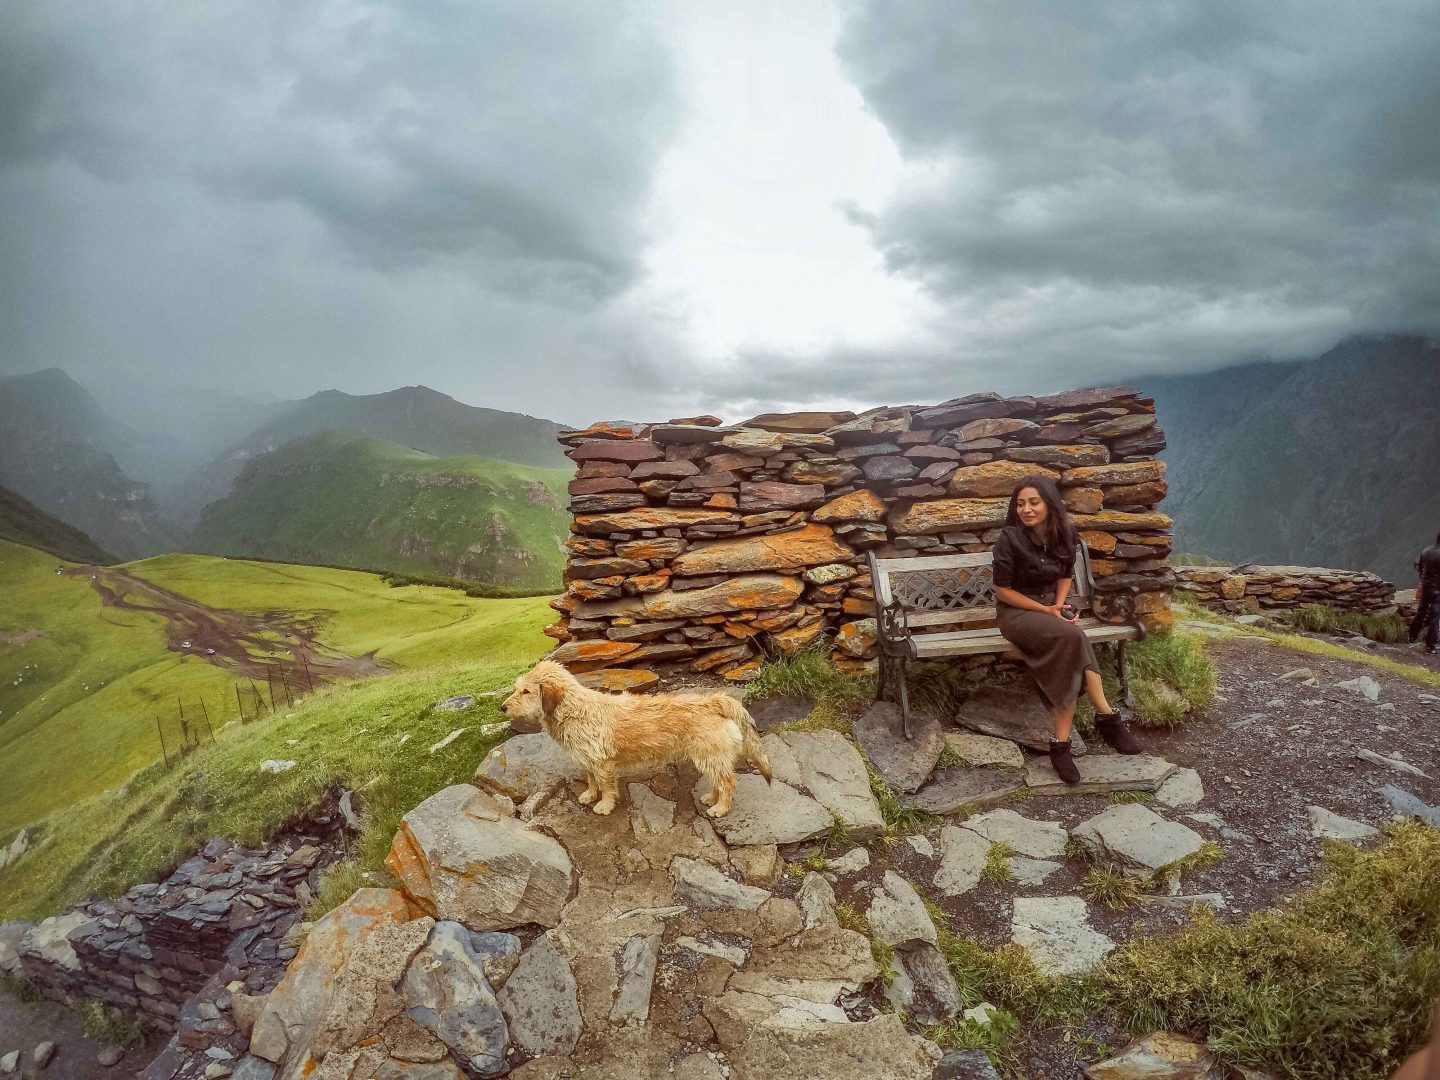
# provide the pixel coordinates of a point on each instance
(939, 590)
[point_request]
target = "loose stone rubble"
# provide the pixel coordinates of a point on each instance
(693, 544)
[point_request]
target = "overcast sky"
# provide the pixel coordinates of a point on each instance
(591, 210)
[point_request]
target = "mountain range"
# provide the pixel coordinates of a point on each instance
(22, 522)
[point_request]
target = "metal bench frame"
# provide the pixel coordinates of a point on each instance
(949, 590)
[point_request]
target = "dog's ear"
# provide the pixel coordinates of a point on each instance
(551, 695)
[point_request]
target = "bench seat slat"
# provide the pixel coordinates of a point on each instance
(977, 642)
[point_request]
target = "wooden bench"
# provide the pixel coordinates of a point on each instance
(938, 607)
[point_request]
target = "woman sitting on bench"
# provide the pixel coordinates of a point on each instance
(1033, 560)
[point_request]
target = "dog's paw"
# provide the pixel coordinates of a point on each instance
(585, 798)
(708, 798)
(603, 807)
(717, 811)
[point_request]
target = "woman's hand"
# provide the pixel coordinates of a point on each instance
(1058, 610)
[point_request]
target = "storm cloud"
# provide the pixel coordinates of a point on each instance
(579, 210)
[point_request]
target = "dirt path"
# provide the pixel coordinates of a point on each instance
(247, 643)
(23, 1027)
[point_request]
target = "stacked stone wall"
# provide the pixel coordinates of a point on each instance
(1249, 589)
(697, 547)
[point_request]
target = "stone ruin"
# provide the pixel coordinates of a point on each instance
(1250, 589)
(697, 547)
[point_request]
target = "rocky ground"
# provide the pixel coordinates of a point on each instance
(24, 1029)
(530, 936)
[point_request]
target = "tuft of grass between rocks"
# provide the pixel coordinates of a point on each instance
(1323, 619)
(997, 867)
(838, 697)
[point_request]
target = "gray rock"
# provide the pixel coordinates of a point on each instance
(903, 763)
(1325, 825)
(1302, 675)
(921, 845)
(1017, 715)
(1365, 686)
(852, 862)
(817, 901)
(43, 1054)
(1163, 1056)
(966, 1065)
(454, 704)
(10, 1063)
(1031, 872)
(1136, 838)
(636, 971)
(704, 888)
(1182, 790)
(446, 992)
(962, 859)
(950, 789)
(650, 815)
(1053, 930)
(897, 914)
(923, 986)
(1204, 817)
(773, 813)
(110, 1056)
(527, 765)
(478, 866)
(1101, 773)
(253, 1068)
(1389, 762)
(826, 766)
(540, 1002)
(11, 934)
(1037, 839)
(50, 941)
(985, 750)
(1401, 801)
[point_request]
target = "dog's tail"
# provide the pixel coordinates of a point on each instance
(751, 746)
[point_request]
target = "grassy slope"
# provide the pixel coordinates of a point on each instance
(92, 684)
(350, 501)
(22, 522)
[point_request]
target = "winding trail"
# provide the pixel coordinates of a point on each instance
(247, 643)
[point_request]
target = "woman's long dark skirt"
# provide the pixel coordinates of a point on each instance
(1057, 652)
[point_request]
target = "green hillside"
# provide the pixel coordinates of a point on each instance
(22, 522)
(81, 682)
(344, 500)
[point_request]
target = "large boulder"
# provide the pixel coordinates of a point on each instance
(461, 856)
(792, 1045)
(446, 992)
(526, 765)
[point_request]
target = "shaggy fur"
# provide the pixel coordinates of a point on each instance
(606, 731)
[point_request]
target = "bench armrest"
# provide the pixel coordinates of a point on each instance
(894, 630)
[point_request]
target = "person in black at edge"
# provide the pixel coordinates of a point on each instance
(1032, 567)
(1427, 607)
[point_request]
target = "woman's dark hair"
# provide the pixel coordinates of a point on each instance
(1055, 531)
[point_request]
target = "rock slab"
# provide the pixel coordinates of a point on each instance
(1136, 838)
(904, 763)
(1053, 930)
(1016, 715)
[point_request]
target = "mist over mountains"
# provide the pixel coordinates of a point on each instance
(1329, 461)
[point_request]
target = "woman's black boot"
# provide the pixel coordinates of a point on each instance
(1116, 735)
(1063, 761)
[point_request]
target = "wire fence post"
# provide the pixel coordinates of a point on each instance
(160, 730)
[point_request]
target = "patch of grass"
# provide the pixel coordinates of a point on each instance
(336, 884)
(348, 736)
(1323, 619)
(1122, 797)
(1300, 643)
(898, 817)
(1337, 984)
(995, 1036)
(839, 834)
(850, 918)
(1008, 978)
(1106, 885)
(950, 758)
(111, 1026)
(1208, 854)
(1172, 676)
(19, 987)
(997, 870)
(838, 697)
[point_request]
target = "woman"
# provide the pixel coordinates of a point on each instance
(1033, 560)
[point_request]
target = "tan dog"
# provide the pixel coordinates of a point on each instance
(606, 731)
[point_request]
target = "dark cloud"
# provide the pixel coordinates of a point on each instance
(324, 191)
(1181, 179)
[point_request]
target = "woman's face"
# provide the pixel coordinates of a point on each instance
(1031, 507)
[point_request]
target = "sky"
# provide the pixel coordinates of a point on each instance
(580, 210)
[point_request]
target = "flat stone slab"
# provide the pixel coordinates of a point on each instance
(905, 764)
(770, 713)
(962, 860)
(1031, 872)
(1329, 826)
(826, 766)
(523, 765)
(949, 789)
(773, 813)
(1365, 686)
(1181, 791)
(1100, 773)
(852, 862)
(1037, 839)
(1137, 838)
(1017, 715)
(704, 888)
(897, 914)
(1404, 804)
(976, 749)
(923, 986)
(1053, 930)
(1162, 1056)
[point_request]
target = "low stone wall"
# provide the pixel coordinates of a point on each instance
(694, 544)
(170, 952)
(1248, 589)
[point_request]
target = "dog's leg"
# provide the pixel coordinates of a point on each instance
(722, 786)
(592, 789)
(609, 787)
